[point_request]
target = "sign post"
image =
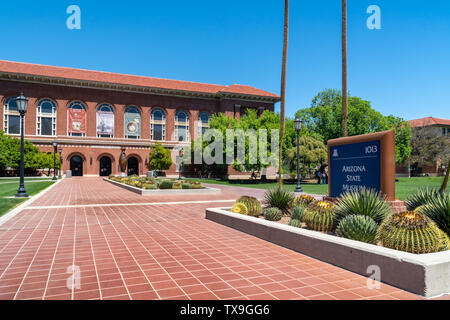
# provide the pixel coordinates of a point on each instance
(365, 161)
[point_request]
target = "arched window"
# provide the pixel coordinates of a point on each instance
(203, 122)
(76, 119)
(11, 123)
(132, 122)
(46, 118)
(105, 121)
(182, 126)
(158, 124)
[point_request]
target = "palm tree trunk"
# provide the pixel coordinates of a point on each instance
(344, 70)
(445, 182)
(283, 91)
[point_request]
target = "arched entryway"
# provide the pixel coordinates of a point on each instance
(76, 166)
(133, 166)
(105, 166)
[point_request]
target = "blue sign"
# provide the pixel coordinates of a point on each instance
(354, 166)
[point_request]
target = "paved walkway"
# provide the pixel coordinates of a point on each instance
(125, 246)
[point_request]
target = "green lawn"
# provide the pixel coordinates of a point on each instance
(10, 189)
(13, 179)
(403, 187)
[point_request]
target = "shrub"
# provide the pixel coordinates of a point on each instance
(365, 202)
(279, 198)
(303, 200)
(185, 185)
(147, 186)
(298, 212)
(253, 205)
(420, 197)
(177, 185)
(239, 207)
(295, 223)
(438, 210)
(196, 185)
(319, 216)
(166, 184)
(273, 214)
(358, 227)
(411, 232)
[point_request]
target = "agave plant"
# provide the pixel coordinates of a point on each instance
(279, 198)
(297, 213)
(421, 197)
(273, 214)
(438, 210)
(365, 202)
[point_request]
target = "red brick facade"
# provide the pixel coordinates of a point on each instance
(90, 148)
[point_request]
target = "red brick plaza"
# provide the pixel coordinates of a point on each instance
(131, 247)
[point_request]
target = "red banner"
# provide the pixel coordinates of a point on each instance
(77, 121)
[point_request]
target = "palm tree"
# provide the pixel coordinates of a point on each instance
(283, 91)
(344, 70)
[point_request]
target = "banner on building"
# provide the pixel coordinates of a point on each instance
(77, 121)
(132, 124)
(105, 123)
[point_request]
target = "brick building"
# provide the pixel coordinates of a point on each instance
(92, 115)
(427, 129)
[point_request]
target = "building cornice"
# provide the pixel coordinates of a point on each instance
(67, 82)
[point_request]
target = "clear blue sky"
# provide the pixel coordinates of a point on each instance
(403, 69)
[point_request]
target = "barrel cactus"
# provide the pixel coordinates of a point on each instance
(358, 227)
(273, 214)
(239, 207)
(411, 232)
(303, 200)
(196, 185)
(298, 212)
(253, 205)
(365, 202)
(147, 186)
(295, 223)
(319, 216)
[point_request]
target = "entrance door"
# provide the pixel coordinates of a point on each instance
(76, 166)
(133, 166)
(105, 166)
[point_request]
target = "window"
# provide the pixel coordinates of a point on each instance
(11, 113)
(445, 132)
(203, 122)
(105, 121)
(46, 118)
(182, 126)
(132, 125)
(76, 119)
(158, 125)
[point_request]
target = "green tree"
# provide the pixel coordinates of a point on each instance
(160, 157)
(312, 153)
(324, 119)
(10, 153)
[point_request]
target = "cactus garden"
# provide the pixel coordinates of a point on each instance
(146, 183)
(362, 215)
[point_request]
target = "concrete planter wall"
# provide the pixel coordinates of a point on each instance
(159, 192)
(426, 274)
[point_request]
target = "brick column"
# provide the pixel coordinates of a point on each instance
(119, 110)
(145, 122)
(91, 120)
(237, 111)
(193, 118)
(260, 111)
(61, 117)
(170, 124)
(30, 117)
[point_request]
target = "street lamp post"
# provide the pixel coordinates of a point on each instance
(22, 105)
(180, 155)
(298, 127)
(60, 162)
(55, 145)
